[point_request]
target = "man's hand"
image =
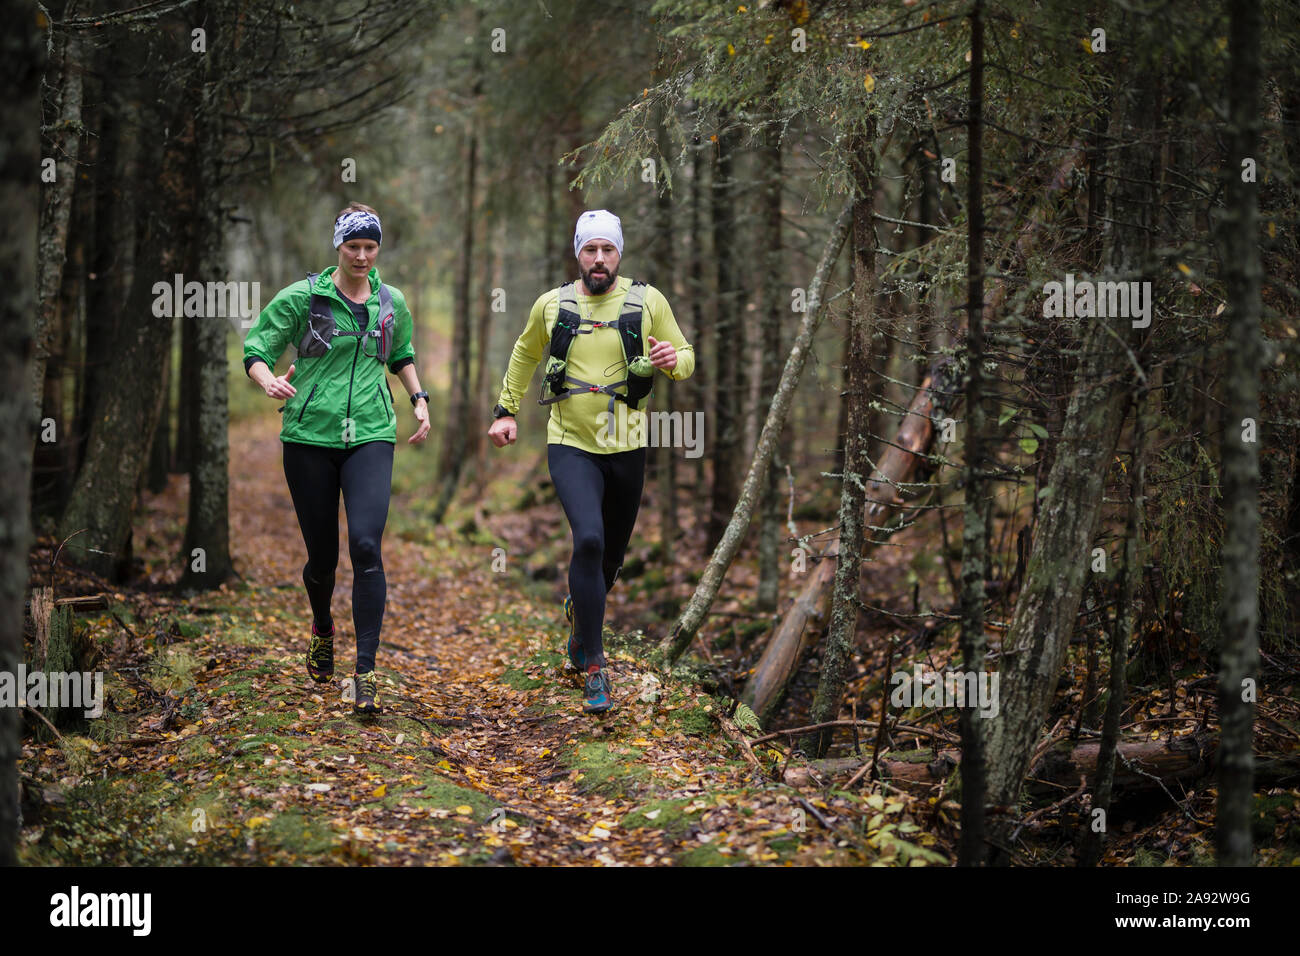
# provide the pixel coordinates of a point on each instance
(662, 354)
(503, 431)
(422, 416)
(279, 387)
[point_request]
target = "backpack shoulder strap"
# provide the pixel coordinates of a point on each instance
(318, 335)
(567, 323)
(630, 321)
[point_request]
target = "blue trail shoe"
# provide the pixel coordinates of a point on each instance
(596, 694)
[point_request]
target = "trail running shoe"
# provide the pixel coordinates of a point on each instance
(367, 692)
(576, 655)
(596, 695)
(320, 655)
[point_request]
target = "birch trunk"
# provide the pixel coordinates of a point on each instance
(697, 609)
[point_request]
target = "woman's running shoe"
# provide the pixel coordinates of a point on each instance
(320, 655)
(596, 694)
(576, 655)
(367, 693)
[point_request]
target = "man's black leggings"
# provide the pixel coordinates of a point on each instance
(601, 495)
(364, 473)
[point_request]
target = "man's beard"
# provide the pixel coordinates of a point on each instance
(598, 285)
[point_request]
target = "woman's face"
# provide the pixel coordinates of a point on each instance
(357, 257)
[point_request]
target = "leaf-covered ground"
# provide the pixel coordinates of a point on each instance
(217, 748)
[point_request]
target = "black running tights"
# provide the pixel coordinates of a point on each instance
(601, 495)
(364, 473)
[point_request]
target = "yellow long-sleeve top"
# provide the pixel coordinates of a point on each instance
(596, 358)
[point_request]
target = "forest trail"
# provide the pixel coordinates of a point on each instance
(482, 754)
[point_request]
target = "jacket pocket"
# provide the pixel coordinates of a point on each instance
(310, 396)
(388, 416)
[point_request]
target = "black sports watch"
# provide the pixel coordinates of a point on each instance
(500, 411)
(419, 395)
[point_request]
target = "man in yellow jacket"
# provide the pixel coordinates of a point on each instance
(602, 336)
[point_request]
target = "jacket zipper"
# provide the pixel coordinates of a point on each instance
(387, 417)
(310, 396)
(347, 415)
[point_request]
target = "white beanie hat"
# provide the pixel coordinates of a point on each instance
(598, 224)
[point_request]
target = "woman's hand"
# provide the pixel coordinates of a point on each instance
(279, 386)
(422, 415)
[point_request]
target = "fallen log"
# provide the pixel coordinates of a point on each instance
(937, 396)
(902, 463)
(1140, 765)
(693, 615)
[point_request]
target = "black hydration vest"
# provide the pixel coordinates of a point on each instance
(321, 329)
(569, 324)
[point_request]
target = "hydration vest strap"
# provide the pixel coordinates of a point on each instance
(569, 324)
(322, 326)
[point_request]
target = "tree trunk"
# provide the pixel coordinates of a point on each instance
(1239, 615)
(775, 301)
(1144, 765)
(481, 391)
(729, 356)
(697, 609)
(456, 425)
(160, 450)
(936, 397)
(664, 262)
(63, 143)
(206, 551)
(111, 257)
(857, 465)
(1126, 617)
(701, 383)
(900, 464)
(20, 197)
(974, 538)
(1040, 630)
(127, 397)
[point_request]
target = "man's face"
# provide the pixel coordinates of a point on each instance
(598, 264)
(357, 257)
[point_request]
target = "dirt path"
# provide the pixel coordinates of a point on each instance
(482, 754)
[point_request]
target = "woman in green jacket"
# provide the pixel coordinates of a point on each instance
(339, 427)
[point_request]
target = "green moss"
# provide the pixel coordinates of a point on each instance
(605, 771)
(694, 721)
(670, 819)
(271, 720)
(519, 679)
(440, 793)
(297, 834)
(706, 855)
(174, 669)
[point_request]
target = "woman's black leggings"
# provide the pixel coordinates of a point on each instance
(364, 473)
(601, 495)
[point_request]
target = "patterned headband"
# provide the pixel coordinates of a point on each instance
(357, 225)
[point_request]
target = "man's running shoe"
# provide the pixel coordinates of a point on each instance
(596, 695)
(367, 692)
(320, 655)
(576, 655)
